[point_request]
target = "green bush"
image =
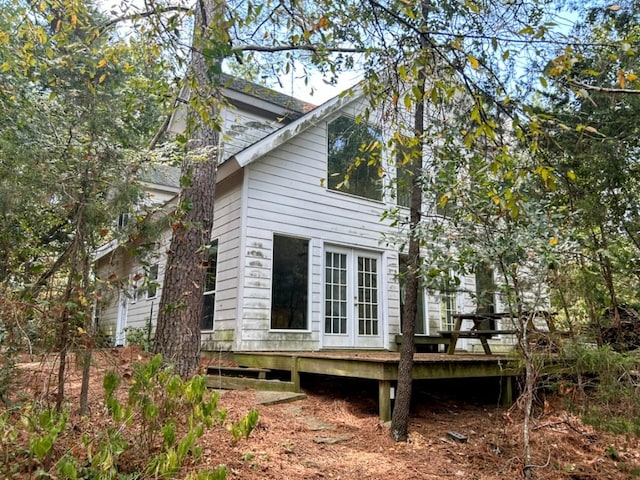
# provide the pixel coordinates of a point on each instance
(158, 426)
(605, 386)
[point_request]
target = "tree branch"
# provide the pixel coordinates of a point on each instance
(286, 48)
(586, 86)
(136, 16)
(165, 124)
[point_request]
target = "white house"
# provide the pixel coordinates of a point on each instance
(298, 257)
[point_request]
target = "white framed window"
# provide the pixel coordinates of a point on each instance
(209, 294)
(152, 281)
(135, 285)
(290, 283)
(448, 299)
(354, 158)
(448, 309)
(123, 220)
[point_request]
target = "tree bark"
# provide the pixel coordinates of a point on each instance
(177, 335)
(400, 416)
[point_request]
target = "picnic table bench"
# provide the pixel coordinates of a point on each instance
(427, 343)
(482, 335)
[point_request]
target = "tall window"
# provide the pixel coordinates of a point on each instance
(209, 295)
(354, 158)
(448, 301)
(152, 281)
(336, 303)
(420, 317)
(403, 185)
(289, 284)
(407, 150)
(447, 310)
(485, 290)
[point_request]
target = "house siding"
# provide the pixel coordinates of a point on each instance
(287, 195)
(226, 228)
(140, 309)
(284, 192)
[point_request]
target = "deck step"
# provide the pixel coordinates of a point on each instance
(225, 382)
(243, 372)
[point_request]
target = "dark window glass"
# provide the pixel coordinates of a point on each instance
(403, 186)
(485, 290)
(152, 281)
(209, 295)
(123, 220)
(354, 158)
(289, 285)
(420, 316)
(405, 149)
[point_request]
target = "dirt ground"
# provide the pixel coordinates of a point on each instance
(334, 433)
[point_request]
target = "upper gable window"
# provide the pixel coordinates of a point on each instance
(354, 158)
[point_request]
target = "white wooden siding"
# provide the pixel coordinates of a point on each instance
(124, 267)
(287, 194)
(226, 228)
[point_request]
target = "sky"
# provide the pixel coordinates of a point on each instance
(316, 91)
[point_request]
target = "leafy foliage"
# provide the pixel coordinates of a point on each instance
(602, 385)
(157, 427)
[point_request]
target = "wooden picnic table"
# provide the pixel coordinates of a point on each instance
(484, 328)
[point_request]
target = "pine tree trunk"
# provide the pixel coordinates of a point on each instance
(177, 335)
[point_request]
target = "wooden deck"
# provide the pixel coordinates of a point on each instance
(383, 367)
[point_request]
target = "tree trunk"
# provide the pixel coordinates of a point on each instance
(63, 344)
(177, 335)
(400, 417)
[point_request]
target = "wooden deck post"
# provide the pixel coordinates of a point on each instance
(506, 391)
(295, 374)
(384, 400)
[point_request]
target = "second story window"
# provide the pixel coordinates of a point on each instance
(354, 158)
(123, 220)
(152, 281)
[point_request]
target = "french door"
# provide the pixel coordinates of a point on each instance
(352, 312)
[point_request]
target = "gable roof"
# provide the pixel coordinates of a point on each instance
(282, 135)
(162, 175)
(234, 88)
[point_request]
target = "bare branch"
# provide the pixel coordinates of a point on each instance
(165, 124)
(137, 16)
(586, 86)
(306, 48)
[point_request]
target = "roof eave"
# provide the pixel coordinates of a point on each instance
(277, 138)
